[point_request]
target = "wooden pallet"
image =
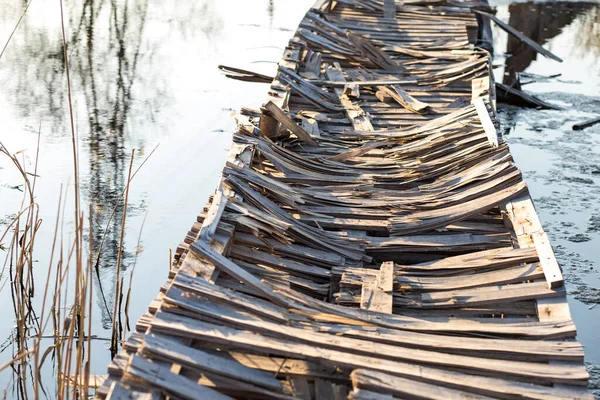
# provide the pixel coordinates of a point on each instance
(371, 237)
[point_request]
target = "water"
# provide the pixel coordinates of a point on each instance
(560, 165)
(144, 73)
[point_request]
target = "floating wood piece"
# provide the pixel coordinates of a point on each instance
(245, 75)
(510, 95)
(287, 123)
(518, 35)
(586, 124)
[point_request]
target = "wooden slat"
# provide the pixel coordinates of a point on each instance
(287, 123)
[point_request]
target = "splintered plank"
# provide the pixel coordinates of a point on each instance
(519, 35)
(172, 350)
(349, 356)
(398, 386)
(404, 99)
(484, 295)
(356, 115)
(203, 250)
(287, 123)
(160, 376)
(524, 220)
(486, 122)
(527, 272)
(377, 295)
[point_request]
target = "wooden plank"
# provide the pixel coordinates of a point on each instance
(213, 216)
(119, 391)
(159, 376)
(406, 388)
(486, 122)
(528, 228)
(287, 123)
(253, 342)
(533, 44)
(205, 251)
(551, 268)
(359, 119)
(377, 296)
(166, 348)
(480, 87)
(524, 370)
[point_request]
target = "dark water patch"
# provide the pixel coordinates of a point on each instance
(586, 294)
(579, 238)
(594, 223)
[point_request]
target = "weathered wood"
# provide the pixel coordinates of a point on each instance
(287, 123)
(377, 381)
(403, 246)
(165, 348)
(359, 119)
(119, 391)
(160, 376)
(405, 99)
(377, 295)
(586, 124)
(518, 35)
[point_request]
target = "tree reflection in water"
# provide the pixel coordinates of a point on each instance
(107, 66)
(542, 22)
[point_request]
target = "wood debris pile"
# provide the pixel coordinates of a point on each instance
(371, 237)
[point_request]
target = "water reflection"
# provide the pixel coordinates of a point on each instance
(542, 22)
(107, 43)
(108, 69)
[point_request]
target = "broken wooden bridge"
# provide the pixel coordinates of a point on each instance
(371, 236)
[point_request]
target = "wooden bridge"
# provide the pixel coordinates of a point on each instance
(371, 237)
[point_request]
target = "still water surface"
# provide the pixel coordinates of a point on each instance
(144, 74)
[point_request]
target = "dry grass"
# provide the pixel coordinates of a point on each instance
(66, 307)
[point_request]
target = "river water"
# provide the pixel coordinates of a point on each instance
(144, 74)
